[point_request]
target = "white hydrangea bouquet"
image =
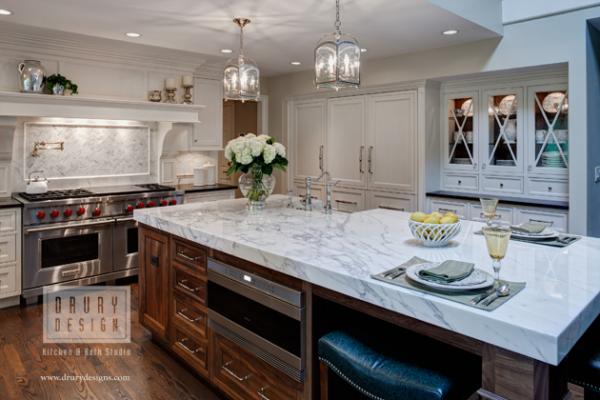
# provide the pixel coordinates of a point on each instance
(257, 157)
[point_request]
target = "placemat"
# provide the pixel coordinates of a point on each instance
(396, 276)
(560, 242)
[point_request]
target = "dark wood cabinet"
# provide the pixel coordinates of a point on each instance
(154, 278)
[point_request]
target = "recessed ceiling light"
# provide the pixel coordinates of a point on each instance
(133, 34)
(363, 50)
(295, 63)
(450, 32)
(226, 51)
(5, 12)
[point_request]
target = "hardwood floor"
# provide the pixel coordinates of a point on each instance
(153, 373)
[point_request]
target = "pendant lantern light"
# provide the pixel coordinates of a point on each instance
(337, 58)
(241, 77)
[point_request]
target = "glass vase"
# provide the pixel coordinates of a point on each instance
(256, 187)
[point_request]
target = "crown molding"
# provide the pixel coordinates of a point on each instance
(34, 41)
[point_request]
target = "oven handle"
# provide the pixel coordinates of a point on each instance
(128, 219)
(64, 226)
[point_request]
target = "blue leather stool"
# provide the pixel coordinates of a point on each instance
(583, 364)
(390, 371)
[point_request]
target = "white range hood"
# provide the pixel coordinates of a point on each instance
(14, 104)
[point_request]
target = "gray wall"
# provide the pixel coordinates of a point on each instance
(593, 125)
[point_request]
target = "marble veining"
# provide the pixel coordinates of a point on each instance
(341, 251)
(89, 151)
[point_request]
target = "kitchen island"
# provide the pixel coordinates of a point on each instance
(521, 343)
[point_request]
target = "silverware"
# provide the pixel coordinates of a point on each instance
(397, 274)
(502, 291)
(480, 297)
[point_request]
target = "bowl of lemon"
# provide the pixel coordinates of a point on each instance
(435, 229)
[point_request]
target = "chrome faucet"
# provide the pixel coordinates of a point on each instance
(308, 194)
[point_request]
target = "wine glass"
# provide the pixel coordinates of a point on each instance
(496, 239)
(488, 206)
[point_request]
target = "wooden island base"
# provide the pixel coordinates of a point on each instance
(173, 306)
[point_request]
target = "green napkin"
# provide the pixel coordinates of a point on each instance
(448, 271)
(529, 227)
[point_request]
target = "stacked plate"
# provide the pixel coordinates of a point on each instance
(505, 163)
(552, 159)
(477, 280)
(546, 234)
(462, 161)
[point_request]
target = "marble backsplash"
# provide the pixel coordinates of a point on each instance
(90, 151)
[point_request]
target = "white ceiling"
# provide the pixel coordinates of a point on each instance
(281, 30)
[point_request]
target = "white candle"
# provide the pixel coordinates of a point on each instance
(187, 80)
(170, 83)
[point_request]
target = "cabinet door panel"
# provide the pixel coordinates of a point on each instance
(154, 278)
(209, 134)
(346, 140)
(308, 126)
(392, 141)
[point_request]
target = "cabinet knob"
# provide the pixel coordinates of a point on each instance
(459, 182)
(501, 185)
(549, 188)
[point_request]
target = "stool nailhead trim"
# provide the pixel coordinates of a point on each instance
(350, 381)
(586, 385)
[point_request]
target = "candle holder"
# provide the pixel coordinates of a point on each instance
(171, 96)
(187, 96)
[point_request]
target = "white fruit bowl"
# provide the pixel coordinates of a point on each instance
(433, 235)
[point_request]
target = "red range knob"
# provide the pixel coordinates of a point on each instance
(80, 211)
(129, 208)
(40, 215)
(54, 213)
(163, 203)
(68, 212)
(140, 205)
(151, 204)
(173, 202)
(96, 212)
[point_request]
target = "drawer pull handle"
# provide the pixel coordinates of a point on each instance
(239, 378)
(183, 315)
(352, 203)
(182, 344)
(154, 261)
(459, 182)
(392, 208)
(541, 221)
(183, 284)
(549, 188)
(69, 272)
(261, 393)
(182, 254)
(447, 210)
(501, 185)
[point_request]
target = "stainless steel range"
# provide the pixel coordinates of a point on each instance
(81, 237)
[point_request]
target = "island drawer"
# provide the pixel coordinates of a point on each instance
(188, 284)
(189, 315)
(190, 255)
(244, 376)
(191, 349)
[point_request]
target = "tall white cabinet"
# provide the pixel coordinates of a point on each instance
(368, 144)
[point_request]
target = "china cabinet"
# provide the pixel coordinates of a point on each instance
(508, 137)
(208, 135)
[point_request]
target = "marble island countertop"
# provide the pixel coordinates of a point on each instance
(341, 251)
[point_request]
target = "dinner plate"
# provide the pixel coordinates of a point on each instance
(507, 104)
(544, 235)
(552, 101)
(467, 108)
(477, 280)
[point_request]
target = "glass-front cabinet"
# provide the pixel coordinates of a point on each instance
(502, 131)
(549, 130)
(461, 122)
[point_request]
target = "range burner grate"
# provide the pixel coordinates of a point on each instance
(56, 194)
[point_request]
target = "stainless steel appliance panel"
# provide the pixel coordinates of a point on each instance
(125, 244)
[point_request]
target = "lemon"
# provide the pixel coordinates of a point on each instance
(418, 216)
(432, 220)
(447, 220)
(436, 215)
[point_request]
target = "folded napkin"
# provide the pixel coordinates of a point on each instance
(448, 271)
(529, 227)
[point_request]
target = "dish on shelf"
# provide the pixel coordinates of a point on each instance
(477, 280)
(467, 108)
(507, 105)
(505, 163)
(553, 100)
(462, 161)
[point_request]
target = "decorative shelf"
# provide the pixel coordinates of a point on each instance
(14, 104)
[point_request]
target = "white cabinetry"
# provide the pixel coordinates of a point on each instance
(203, 197)
(309, 125)
(208, 135)
(4, 179)
(510, 137)
(10, 256)
(368, 143)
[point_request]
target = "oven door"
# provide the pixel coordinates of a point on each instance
(125, 246)
(65, 252)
